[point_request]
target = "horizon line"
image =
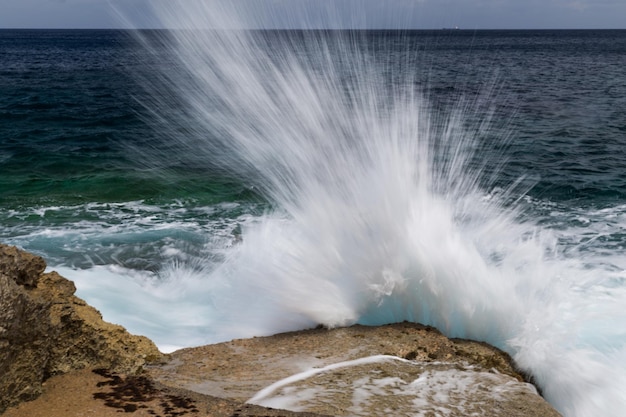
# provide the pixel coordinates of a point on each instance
(452, 29)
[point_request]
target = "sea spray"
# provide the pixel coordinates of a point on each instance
(381, 208)
(350, 164)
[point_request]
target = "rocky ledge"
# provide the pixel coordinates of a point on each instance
(89, 367)
(396, 369)
(45, 330)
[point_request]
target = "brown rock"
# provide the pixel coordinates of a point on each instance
(103, 394)
(46, 330)
(458, 377)
(23, 267)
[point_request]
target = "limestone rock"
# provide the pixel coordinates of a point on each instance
(46, 330)
(24, 267)
(340, 372)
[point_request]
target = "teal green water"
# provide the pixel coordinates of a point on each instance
(74, 132)
(79, 152)
(71, 103)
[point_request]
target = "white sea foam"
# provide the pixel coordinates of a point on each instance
(171, 308)
(128, 233)
(416, 388)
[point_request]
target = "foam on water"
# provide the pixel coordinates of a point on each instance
(133, 234)
(395, 386)
(171, 308)
(379, 216)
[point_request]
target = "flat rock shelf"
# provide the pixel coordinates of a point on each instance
(397, 369)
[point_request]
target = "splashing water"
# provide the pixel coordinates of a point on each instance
(381, 213)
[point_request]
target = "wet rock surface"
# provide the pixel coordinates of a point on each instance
(420, 372)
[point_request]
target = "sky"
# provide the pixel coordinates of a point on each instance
(415, 14)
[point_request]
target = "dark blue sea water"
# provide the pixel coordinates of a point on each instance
(205, 186)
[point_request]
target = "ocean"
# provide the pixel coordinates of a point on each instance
(200, 186)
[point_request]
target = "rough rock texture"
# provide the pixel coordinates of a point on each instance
(46, 330)
(443, 376)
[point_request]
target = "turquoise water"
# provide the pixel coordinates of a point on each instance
(472, 180)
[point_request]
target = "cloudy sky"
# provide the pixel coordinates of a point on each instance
(420, 14)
